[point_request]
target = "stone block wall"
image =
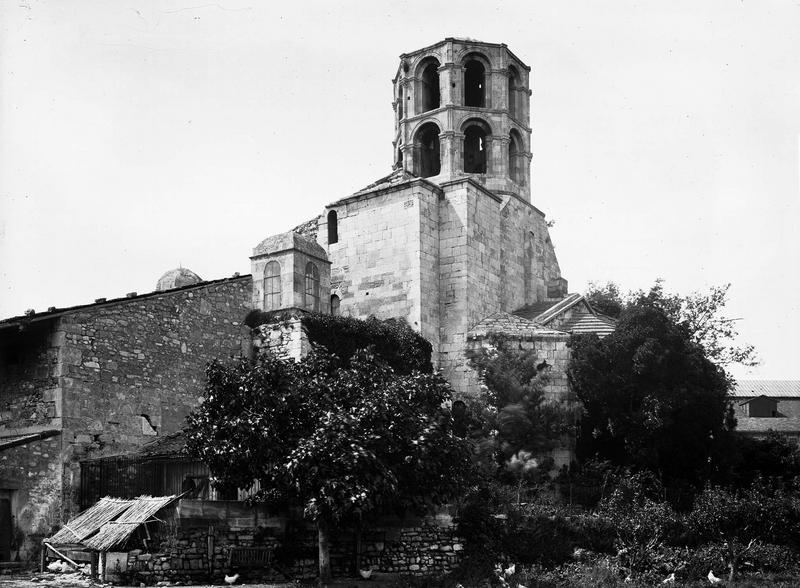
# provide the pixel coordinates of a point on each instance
(377, 261)
(422, 546)
(133, 370)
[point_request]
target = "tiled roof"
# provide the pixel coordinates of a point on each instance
(54, 312)
(509, 324)
(168, 445)
(531, 311)
(398, 176)
(766, 424)
(308, 229)
(769, 388)
(589, 323)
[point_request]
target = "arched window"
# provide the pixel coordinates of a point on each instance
(474, 84)
(333, 227)
(513, 83)
(400, 103)
(272, 286)
(475, 148)
(429, 87)
(335, 305)
(515, 157)
(312, 287)
(426, 151)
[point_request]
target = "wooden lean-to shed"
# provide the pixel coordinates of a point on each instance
(108, 524)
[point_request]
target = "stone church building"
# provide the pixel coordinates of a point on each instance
(450, 241)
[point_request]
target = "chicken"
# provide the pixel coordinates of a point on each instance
(231, 579)
(712, 578)
(669, 579)
(510, 570)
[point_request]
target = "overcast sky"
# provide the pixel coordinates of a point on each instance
(137, 136)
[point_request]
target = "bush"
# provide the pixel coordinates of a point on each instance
(399, 345)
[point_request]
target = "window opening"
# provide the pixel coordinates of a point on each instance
(333, 227)
(312, 287)
(474, 84)
(272, 286)
(430, 87)
(426, 145)
(512, 93)
(474, 150)
(335, 302)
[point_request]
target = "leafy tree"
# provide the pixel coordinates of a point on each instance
(652, 396)
(605, 298)
(339, 440)
(522, 426)
(742, 518)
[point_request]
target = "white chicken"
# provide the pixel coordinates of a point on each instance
(712, 578)
(230, 580)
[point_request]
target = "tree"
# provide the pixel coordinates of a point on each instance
(521, 425)
(702, 314)
(339, 439)
(652, 396)
(742, 518)
(605, 298)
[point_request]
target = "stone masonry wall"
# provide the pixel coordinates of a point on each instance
(424, 546)
(376, 265)
(30, 403)
(133, 370)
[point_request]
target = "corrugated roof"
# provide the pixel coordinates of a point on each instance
(769, 388)
(89, 521)
(117, 532)
(766, 424)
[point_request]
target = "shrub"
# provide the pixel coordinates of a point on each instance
(399, 345)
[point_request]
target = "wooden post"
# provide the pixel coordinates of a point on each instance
(43, 557)
(93, 566)
(102, 566)
(210, 550)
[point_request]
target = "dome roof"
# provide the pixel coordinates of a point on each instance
(177, 278)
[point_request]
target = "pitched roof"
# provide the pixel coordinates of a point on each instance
(589, 323)
(766, 424)
(509, 324)
(55, 312)
(398, 176)
(89, 521)
(167, 446)
(531, 311)
(769, 388)
(117, 532)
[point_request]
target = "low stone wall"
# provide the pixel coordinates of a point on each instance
(420, 546)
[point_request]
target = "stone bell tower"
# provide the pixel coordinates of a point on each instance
(462, 108)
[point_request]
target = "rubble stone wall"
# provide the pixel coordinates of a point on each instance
(426, 547)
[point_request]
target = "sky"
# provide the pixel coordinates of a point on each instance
(136, 137)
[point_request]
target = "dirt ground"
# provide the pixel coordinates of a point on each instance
(76, 580)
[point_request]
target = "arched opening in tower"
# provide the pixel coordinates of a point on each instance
(426, 150)
(429, 87)
(474, 84)
(400, 103)
(513, 84)
(474, 150)
(333, 227)
(515, 157)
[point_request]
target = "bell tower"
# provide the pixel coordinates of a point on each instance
(462, 108)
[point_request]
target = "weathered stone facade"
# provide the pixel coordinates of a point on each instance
(101, 380)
